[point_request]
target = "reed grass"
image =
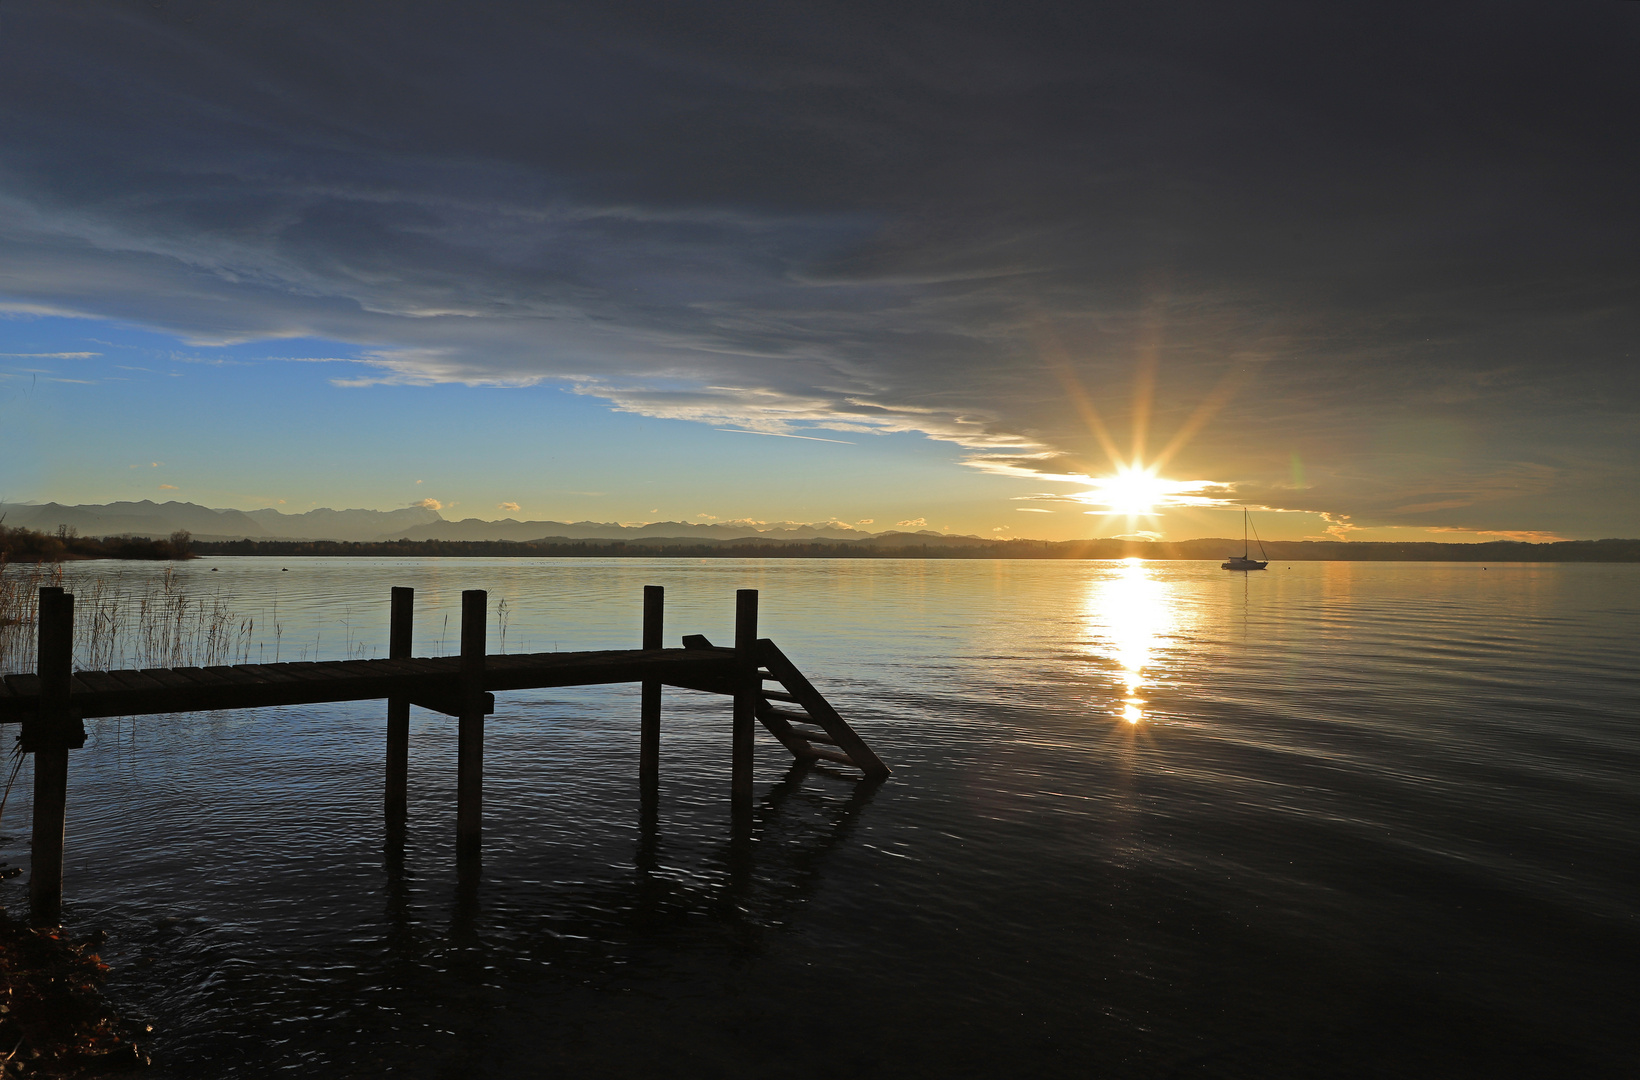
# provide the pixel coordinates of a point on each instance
(120, 623)
(20, 586)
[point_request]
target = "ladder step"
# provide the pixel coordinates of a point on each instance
(776, 695)
(814, 735)
(831, 755)
(793, 717)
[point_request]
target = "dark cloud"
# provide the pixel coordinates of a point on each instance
(1411, 231)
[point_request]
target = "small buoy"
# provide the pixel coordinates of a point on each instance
(284, 569)
(214, 569)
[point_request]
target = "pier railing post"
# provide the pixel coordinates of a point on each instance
(649, 711)
(746, 694)
(54, 731)
(470, 728)
(396, 797)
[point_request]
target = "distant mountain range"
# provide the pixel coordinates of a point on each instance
(329, 524)
(509, 529)
(151, 519)
(148, 518)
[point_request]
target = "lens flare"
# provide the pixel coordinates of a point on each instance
(1135, 491)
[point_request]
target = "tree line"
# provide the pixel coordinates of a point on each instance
(28, 545)
(1501, 551)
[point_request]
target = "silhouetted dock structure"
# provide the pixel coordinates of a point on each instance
(52, 703)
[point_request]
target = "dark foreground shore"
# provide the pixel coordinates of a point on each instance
(54, 1020)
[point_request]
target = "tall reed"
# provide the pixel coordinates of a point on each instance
(20, 585)
(120, 623)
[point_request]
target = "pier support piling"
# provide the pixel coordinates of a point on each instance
(45, 883)
(747, 691)
(49, 738)
(649, 723)
(470, 729)
(396, 797)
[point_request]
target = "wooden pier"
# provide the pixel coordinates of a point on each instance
(52, 703)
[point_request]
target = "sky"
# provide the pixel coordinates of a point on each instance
(1033, 270)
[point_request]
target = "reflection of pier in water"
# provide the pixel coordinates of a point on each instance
(769, 864)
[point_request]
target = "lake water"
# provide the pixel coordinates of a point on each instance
(1147, 820)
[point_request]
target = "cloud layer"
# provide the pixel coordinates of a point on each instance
(1403, 252)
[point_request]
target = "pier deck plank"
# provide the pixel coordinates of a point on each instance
(246, 686)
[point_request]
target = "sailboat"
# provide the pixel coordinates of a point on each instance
(1242, 562)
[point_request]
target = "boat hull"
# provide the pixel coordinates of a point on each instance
(1235, 562)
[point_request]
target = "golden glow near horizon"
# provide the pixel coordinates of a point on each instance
(1132, 615)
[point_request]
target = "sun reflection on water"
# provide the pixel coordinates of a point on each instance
(1129, 616)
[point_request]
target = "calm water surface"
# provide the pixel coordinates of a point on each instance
(1147, 819)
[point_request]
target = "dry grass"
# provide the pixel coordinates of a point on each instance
(119, 623)
(20, 586)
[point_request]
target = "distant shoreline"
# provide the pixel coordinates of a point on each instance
(26, 546)
(51, 532)
(949, 548)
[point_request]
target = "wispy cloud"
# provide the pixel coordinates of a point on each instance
(785, 435)
(12, 309)
(211, 361)
(510, 507)
(51, 355)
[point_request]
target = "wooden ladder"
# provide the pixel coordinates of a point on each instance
(804, 721)
(800, 716)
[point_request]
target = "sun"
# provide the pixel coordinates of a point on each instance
(1136, 489)
(1133, 492)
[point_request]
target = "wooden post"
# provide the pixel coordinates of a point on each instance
(649, 729)
(470, 728)
(746, 695)
(396, 796)
(49, 740)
